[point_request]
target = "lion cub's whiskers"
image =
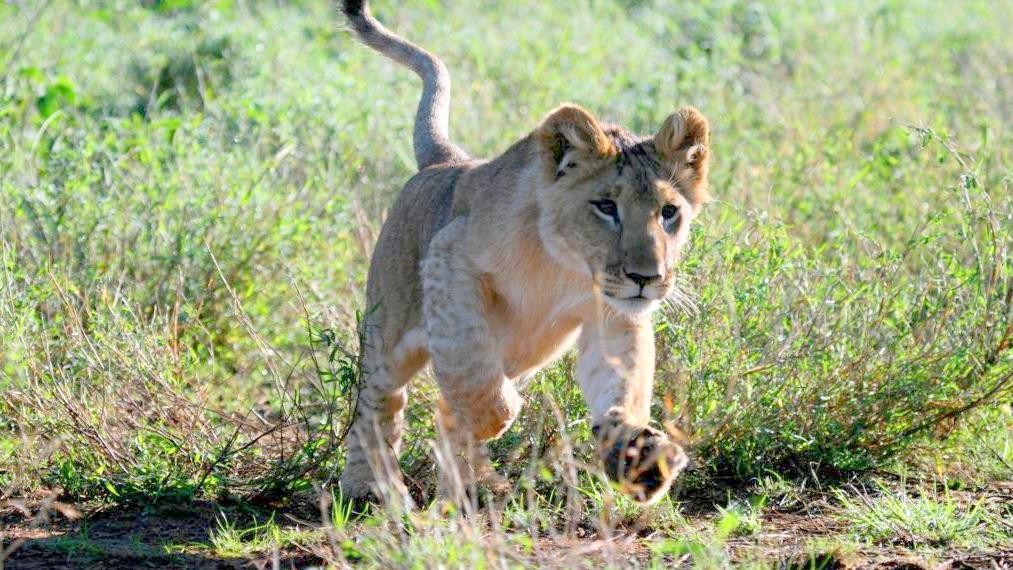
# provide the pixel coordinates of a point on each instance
(682, 298)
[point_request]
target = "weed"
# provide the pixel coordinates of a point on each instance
(230, 540)
(921, 517)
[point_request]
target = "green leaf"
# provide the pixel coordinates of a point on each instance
(726, 525)
(57, 95)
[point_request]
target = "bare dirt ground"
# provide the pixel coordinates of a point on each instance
(128, 538)
(176, 536)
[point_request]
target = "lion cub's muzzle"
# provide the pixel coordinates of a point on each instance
(637, 284)
(641, 460)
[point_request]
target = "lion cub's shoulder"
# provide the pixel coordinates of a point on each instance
(484, 182)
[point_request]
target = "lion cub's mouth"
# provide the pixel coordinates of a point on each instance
(637, 297)
(633, 305)
(640, 295)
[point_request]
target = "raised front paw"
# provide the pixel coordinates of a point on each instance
(642, 460)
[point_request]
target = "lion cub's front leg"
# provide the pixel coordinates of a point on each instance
(478, 401)
(616, 374)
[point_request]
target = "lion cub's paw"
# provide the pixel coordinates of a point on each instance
(642, 460)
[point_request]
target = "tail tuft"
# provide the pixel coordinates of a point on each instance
(353, 8)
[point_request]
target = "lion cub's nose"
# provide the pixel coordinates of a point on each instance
(642, 280)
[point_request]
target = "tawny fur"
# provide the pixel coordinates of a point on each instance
(489, 270)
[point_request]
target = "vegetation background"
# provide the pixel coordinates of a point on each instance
(190, 191)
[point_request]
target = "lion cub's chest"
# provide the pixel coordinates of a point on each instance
(535, 318)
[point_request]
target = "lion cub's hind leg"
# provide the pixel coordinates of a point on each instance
(371, 465)
(478, 401)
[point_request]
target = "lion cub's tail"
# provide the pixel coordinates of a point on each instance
(431, 138)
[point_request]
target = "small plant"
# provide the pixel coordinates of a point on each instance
(920, 517)
(706, 548)
(231, 541)
(342, 512)
(748, 513)
(780, 491)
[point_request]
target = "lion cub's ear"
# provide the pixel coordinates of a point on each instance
(682, 144)
(570, 138)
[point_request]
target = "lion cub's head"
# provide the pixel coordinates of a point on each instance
(618, 207)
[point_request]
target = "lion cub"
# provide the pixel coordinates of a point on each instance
(489, 269)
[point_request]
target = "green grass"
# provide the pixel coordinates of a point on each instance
(923, 518)
(189, 194)
(231, 540)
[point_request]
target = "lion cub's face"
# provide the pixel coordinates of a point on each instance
(618, 207)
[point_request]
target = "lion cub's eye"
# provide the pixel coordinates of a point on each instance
(669, 211)
(607, 207)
